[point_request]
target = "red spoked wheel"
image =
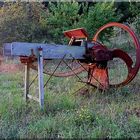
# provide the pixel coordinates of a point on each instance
(95, 75)
(132, 67)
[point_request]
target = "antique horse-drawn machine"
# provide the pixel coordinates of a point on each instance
(90, 56)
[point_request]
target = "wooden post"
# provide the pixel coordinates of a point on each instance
(26, 84)
(40, 78)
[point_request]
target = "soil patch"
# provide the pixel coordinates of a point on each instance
(10, 68)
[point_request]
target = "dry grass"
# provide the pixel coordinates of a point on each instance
(111, 114)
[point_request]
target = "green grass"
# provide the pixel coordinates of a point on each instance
(111, 114)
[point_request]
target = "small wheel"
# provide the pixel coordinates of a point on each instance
(131, 67)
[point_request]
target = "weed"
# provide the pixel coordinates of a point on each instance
(110, 114)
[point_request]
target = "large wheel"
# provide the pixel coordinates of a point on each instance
(131, 66)
(102, 77)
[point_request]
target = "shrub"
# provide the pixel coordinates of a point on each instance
(21, 21)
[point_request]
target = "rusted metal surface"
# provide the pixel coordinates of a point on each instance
(76, 33)
(98, 53)
(132, 71)
(92, 56)
(98, 77)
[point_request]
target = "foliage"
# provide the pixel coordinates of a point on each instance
(32, 22)
(64, 16)
(111, 114)
(21, 22)
(97, 16)
(135, 21)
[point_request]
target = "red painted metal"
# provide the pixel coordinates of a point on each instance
(26, 60)
(98, 73)
(76, 33)
(100, 53)
(98, 77)
(96, 59)
(132, 71)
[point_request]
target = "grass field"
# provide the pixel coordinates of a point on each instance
(111, 114)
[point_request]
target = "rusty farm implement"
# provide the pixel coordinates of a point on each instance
(90, 56)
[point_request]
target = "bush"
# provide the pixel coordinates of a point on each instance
(65, 16)
(21, 22)
(97, 16)
(32, 22)
(135, 21)
(62, 16)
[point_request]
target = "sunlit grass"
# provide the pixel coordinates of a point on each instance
(110, 114)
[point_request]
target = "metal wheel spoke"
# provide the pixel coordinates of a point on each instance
(90, 74)
(54, 70)
(73, 71)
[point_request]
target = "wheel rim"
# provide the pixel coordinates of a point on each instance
(68, 73)
(132, 71)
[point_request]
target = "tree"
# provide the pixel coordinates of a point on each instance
(21, 21)
(135, 21)
(62, 16)
(65, 16)
(97, 16)
(32, 22)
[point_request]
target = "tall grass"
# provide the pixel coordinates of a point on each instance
(111, 114)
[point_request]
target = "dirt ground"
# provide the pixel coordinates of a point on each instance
(9, 68)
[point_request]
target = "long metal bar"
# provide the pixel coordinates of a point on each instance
(40, 78)
(50, 51)
(73, 71)
(26, 84)
(54, 70)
